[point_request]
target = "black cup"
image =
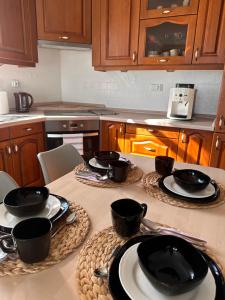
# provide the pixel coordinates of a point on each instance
(164, 165)
(31, 238)
(118, 170)
(127, 215)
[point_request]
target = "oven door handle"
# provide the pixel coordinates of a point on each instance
(57, 135)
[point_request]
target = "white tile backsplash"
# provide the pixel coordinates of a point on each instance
(132, 89)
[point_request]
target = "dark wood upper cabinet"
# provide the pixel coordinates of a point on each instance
(65, 21)
(18, 36)
(167, 8)
(167, 41)
(115, 26)
(209, 45)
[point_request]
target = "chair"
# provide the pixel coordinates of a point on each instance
(58, 162)
(7, 183)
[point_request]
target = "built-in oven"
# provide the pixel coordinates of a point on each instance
(82, 134)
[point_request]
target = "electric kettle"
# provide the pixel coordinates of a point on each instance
(23, 102)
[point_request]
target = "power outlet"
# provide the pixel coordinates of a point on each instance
(157, 87)
(15, 83)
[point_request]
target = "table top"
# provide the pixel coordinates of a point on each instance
(59, 282)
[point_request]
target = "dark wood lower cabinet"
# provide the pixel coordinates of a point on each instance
(218, 151)
(112, 136)
(6, 162)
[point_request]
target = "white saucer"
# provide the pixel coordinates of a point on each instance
(137, 286)
(52, 207)
(171, 185)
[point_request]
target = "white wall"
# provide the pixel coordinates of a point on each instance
(43, 82)
(132, 89)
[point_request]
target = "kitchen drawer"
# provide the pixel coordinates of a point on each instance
(152, 131)
(4, 134)
(150, 146)
(25, 129)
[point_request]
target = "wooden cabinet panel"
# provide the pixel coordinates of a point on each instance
(150, 146)
(25, 129)
(148, 10)
(220, 119)
(18, 32)
(156, 35)
(218, 151)
(26, 165)
(194, 147)
(152, 131)
(6, 157)
(210, 33)
(68, 20)
(112, 136)
(117, 31)
(4, 134)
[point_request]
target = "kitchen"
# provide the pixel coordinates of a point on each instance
(105, 81)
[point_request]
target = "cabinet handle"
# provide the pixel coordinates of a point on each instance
(163, 60)
(150, 149)
(167, 11)
(221, 121)
(64, 37)
(121, 129)
(9, 150)
(151, 130)
(196, 54)
(16, 148)
(28, 129)
(183, 138)
(217, 143)
(134, 56)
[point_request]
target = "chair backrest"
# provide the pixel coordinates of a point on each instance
(7, 183)
(58, 162)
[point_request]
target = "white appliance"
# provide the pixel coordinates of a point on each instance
(181, 102)
(4, 104)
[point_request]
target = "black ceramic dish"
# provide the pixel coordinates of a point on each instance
(171, 264)
(104, 158)
(63, 209)
(191, 199)
(191, 180)
(118, 292)
(25, 201)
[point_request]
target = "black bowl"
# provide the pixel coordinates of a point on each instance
(191, 180)
(26, 201)
(104, 158)
(172, 265)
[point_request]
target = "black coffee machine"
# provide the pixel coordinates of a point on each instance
(23, 102)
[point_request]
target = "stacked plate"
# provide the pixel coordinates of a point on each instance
(127, 280)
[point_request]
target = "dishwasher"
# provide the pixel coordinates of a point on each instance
(82, 134)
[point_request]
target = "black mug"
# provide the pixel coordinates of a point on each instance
(127, 215)
(118, 170)
(164, 165)
(31, 238)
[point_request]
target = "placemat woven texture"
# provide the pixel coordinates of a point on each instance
(64, 242)
(151, 187)
(134, 175)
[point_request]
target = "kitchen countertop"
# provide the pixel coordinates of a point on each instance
(147, 118)
(59, 281)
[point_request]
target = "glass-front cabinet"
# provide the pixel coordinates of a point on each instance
(166, 41)
(166, 8)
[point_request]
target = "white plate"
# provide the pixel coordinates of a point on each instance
(171, 185)
(137, 286)
(51, 209)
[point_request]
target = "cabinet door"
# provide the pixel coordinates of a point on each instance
(166, 40)
(6, 163)
(210, 33)
(150, 146)
(112, 136)
(194, 147)
(166, 8)
(118, 32)
(220, 119)
(18, 32)
(68, 20)
(26, 166)
(218, 151)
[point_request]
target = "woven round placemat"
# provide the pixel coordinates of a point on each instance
(134, 175)
(150, 182)
(62, 244)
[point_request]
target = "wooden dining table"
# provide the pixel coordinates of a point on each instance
(59, 281)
